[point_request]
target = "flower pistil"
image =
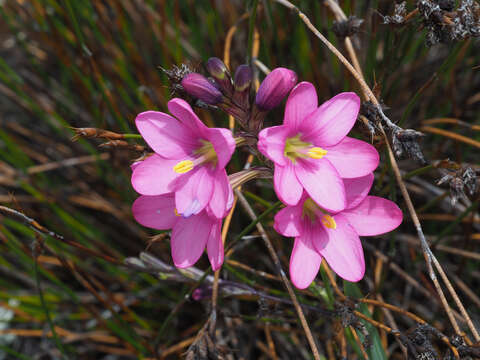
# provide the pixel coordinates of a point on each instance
(297, 148)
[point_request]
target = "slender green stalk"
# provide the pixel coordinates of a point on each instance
(132, 136)
(251, 27)
(58, 343)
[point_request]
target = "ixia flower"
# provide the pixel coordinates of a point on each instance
(190, 235)
(189, 160)
(311, 150)
(335, 236)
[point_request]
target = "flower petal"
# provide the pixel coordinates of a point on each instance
(154, 176)
(342, 249)
(194, 192)
(301, 102)
(332, 121)
(215, 246)
(322, 183)
(305, 261)
(287, 187)
(223, 143)
(353, 158)
(156, 212)
(374, 216)
(357, 189)
(271, 143)
(165, 135)
(184, 113)
(222, 191)
(288, 221)
(189, 237)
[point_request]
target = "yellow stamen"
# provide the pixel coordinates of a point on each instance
(183, 166)
(329, 222)
(176, 212)
(317, 152)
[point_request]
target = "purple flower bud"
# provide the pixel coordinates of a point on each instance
(198, 86)
(243, 78)
(275, 87)
(218, 70)
(242, 82)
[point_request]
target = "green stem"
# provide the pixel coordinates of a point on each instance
(58, 343)
(132, 136)
(251, 27)
(418, 171)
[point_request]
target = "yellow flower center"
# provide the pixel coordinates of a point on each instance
(313, 211)
(296, 148)
(204, 154)
(328, 221)
(183, 166)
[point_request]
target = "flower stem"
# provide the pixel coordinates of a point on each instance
(251, 26)
(132, 136)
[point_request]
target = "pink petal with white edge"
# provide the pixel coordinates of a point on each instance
(223, 143)
(271, 143)
(155, 176)
(287, 187)
(353, 158)
(305, 261)
(357, 189)
(156, 212)
(220, 204)
(342, 249)
(195, 193)
(165, 135)
(189, 238)
(374, 216)
(301, 102)
(215, 246)
(322, 183)
(288, 221)
(332, 121)
(184, 113)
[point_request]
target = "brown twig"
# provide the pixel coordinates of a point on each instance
(359, 343)
(451, 135)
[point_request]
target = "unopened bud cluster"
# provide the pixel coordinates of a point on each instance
(234, 95)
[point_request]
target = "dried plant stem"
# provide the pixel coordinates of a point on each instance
(429, 257)
(359, 343)
(451, 135)
(330, 276)
(393, 308)
(308, 333)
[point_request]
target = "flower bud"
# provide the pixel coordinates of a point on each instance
(275, 87)
(218, 70)
(242, 81)
(198, 86)
(243, 78)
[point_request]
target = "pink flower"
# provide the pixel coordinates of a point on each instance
(189, 236)
(189, 160)
(311, 150)
(335, 237)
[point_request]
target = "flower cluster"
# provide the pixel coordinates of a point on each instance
(321, 175)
